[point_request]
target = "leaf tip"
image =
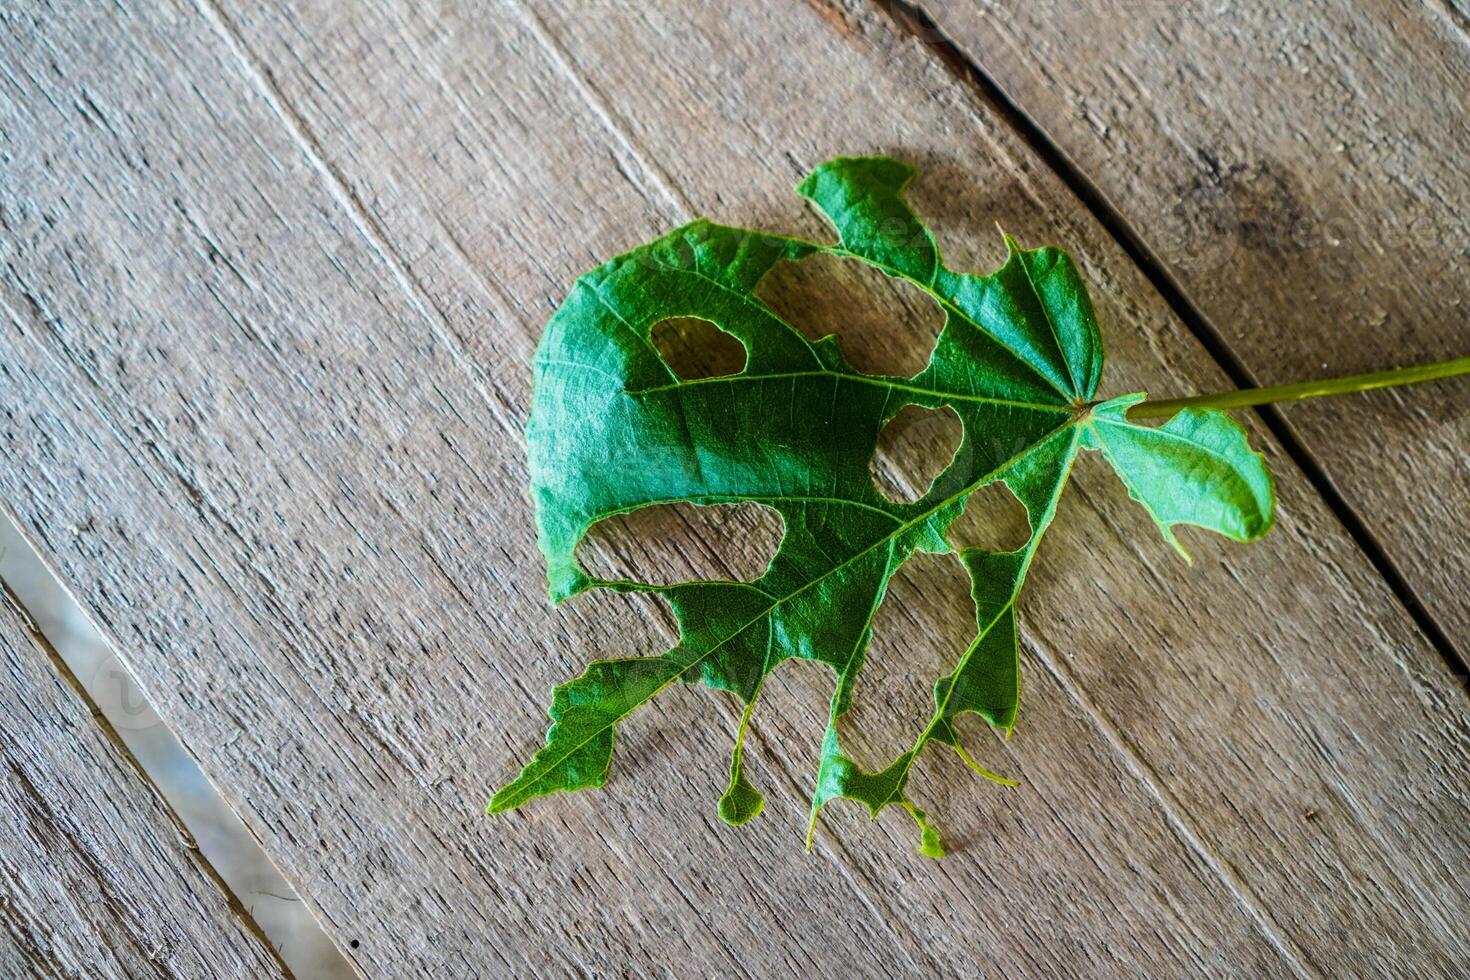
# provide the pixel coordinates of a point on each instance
(930, 844)
(980, 770)
(741, 804)
(811, 827)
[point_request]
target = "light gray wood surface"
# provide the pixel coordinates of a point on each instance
(1300, 170)
(272, 279)
(97, 879)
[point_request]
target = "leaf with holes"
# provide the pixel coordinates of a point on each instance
(613, 428)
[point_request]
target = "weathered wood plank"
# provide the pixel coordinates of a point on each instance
(310, 469)
(1300, 170)
(314, 250)
(97, 877)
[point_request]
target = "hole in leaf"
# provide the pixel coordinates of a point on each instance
(920, 631)
(884, 325)
(962, 213)
(670, 543)
(913, 448)
(993, 519)
(636, 625)
(694, 348)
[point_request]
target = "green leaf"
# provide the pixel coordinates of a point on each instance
(1196, 468)
(613, 429)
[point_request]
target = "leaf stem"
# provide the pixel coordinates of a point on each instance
(1246, 397)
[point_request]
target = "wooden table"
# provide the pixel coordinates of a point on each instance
(271, 276)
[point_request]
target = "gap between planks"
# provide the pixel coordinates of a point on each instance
(245, 864)
(43, 645)
(912, 20)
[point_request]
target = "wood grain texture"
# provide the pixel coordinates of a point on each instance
(273, 277)
(1300, 170)
(97, 876)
